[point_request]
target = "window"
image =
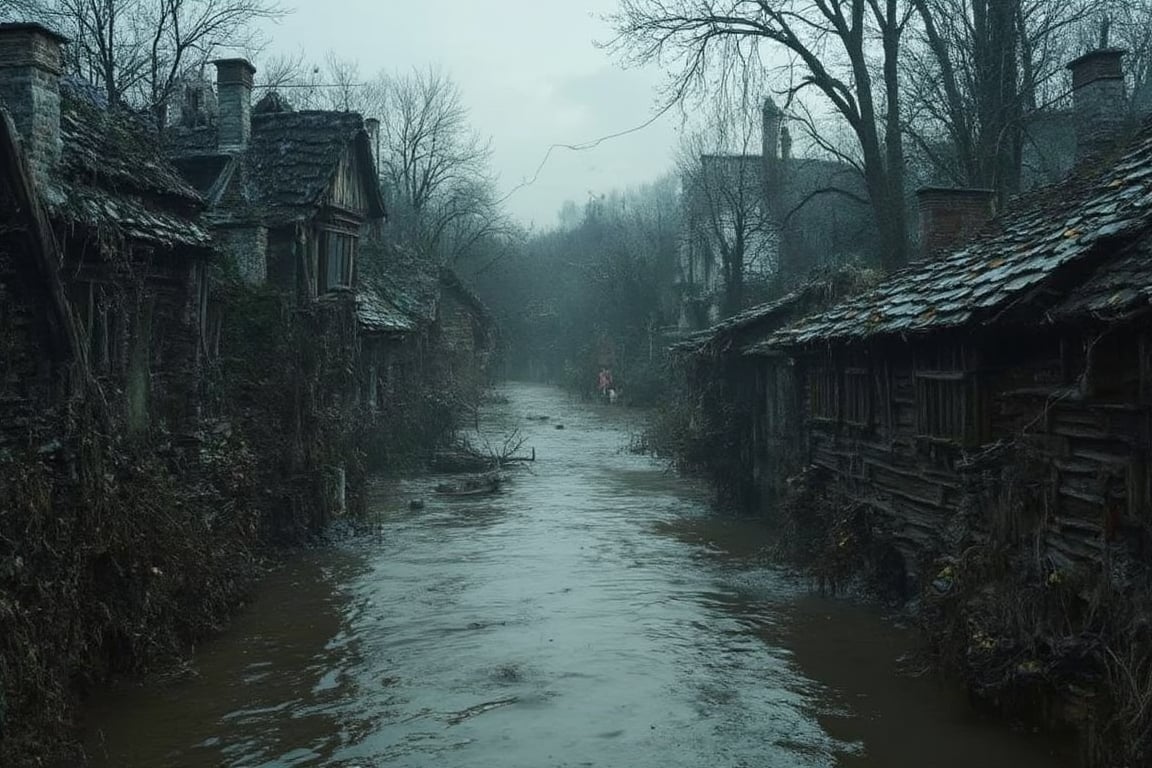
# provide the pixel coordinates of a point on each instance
(858, 396)
(942, 405)
(337, 252)
(778, 396)
(824, 392)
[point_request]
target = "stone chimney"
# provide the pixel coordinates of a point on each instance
(773, 118)
(30, 67)
(234, 103)
(1099, 104)
(372, 128)
(197, 103)
(951, 215)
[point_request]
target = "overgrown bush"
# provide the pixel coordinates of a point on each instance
(702, 430)
(122, 567)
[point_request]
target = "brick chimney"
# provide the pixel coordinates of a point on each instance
(30, 67)
(1099, 104)
(234, 103)
(772, 118)
(951, 215)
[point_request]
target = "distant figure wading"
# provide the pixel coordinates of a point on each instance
(604, 385)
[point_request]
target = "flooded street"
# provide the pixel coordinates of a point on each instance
(595, 612)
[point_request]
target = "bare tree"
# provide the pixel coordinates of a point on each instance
(728, 225)
(845, 50)
(975, 70)
(1131, 29)
(436, 168)
(136, 51)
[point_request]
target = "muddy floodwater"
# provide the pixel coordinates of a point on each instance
(597, 611)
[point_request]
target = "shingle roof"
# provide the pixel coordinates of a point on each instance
(450, 281)
(376, 314)
(1117, 291)
(289, 163)
(400, 295)
(112, 177)
(747, 329)
(719, 337)
(1050, 230)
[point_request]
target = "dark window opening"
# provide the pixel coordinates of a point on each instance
(858, 396)
(943, 408)
(824, 392)
(337, 254)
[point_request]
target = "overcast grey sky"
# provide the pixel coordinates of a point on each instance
(530, 73)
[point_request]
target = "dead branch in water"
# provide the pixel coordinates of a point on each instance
(466, 457)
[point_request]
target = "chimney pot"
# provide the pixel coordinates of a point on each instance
(951, 215)
(234, 103)
(1098, 100)
(30, 67)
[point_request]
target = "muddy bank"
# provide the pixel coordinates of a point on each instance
(596, 610)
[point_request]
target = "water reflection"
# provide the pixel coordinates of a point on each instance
(596, 612)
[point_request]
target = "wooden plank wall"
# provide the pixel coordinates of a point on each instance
(1084, 447)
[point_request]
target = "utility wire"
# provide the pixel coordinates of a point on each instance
(582, 146)
(278, 86)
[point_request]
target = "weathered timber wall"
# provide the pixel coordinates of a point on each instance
(908, 444)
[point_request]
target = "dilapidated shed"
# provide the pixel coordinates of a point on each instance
(746, 426)
(1023, 352)
(126, 246)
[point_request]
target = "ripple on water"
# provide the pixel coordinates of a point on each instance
(594, 612)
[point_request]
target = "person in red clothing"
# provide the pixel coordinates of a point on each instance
(604, 382)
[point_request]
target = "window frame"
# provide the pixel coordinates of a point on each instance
(824, 389)
(328, 280)
(944, 406)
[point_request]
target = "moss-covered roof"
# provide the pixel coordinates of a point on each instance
(112, 178)
(401, 293)
(1078, 224)
(288, 165)
(746, 330)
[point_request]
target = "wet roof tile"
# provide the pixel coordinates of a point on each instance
(113, 178)
(1042, 234)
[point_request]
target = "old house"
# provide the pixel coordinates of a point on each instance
(465, 331)
(725, 384)
(109, 263)
(291, 197)
(291, 193)
(419, 322)
(395, 309)
(1014, 363)
(787, 215)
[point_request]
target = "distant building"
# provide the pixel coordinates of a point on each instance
(788, 213)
